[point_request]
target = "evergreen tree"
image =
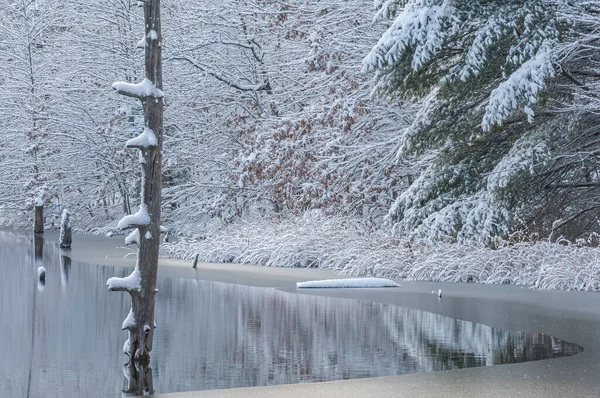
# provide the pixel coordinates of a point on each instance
(481, 70)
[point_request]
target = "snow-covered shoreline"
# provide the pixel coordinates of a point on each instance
(346, 249)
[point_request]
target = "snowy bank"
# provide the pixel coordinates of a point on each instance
(348, 283)
(345, 247)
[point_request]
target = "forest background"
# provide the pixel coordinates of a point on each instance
(421, 139)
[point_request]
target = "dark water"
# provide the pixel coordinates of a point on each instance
(63, 339)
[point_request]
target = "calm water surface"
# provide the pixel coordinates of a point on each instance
(63, 339)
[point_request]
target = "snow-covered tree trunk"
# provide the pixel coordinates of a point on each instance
(141, 284)
(65, 230)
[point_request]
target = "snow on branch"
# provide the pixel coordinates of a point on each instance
(140, 90)
(143, 141)
(135, 220)
(242, 87)
(129, 322)
(523, 86)
(419, 31)
(152, 35)
(133, 237)
(348, 283)
(141, 43)
(131, 283)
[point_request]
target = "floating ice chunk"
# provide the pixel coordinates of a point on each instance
(348, 283)
(143, 141)
(134, 220)
(139, 90)
(133, 282)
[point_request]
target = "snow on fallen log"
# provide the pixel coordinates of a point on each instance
(138, 90)
(348, 283)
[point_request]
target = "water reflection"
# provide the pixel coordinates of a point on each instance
(65, 340)
(138, 380)
(65, 270)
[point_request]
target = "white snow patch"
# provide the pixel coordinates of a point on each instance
(129, 283)
(38, 202)
(153, 35)
(133, 220)
(348, 283)
(129, 322)
(141, 43)
(143, 89)
(145, 140)
(127, 346)
(41, 272)
(148, 235)
(133, 237)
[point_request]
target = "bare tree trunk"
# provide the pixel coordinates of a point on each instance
(141, 284)
(38, 220)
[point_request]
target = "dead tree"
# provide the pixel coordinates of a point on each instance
(38, 220)
(65, 230)
(141, 284)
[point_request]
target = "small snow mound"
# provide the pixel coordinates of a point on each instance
(134, 220)
(132, 282)
(143, 89)
(133, 237)
(145, 140)
(129, 322)
(348, 283)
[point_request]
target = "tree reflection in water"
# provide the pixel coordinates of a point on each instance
(62, 341)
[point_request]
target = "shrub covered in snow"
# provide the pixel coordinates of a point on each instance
(345, 246)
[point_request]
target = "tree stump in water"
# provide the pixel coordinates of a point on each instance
(65, 230)
(38, 220)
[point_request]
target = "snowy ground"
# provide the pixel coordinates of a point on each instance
(572, 316)
(344, 247)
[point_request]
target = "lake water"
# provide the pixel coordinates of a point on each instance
(63, 338)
